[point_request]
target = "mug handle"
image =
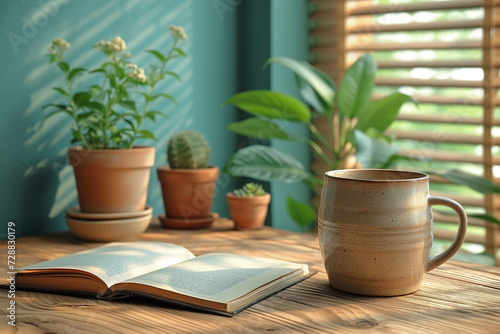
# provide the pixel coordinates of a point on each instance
(462, 229)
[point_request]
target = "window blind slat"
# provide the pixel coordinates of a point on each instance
(413, 7)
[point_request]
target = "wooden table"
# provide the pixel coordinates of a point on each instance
(455, 298)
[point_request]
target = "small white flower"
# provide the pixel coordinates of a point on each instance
(138, 74)
(132, 66)
(177, 32)
(127, 55)
(114, 59)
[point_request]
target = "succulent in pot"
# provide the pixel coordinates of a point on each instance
(248, 206)
(112, 172)
(188, 183)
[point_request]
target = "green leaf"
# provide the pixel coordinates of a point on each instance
(175, 75)
(63, 66)
(158, 55)
(311, 97)
(373, 152)
(60, 90)
(147, 134)
(152, 114)
(128, 104)
(484, 216)
(355, 92)
(56, 112)
(81, 98)
(272, 105)
(267, 164)
(94, 105)
(132, 125)
(302, 213)
(149, 98)
(258, 128)
(382, 113)
(75, 72)
(180, 52)
(58, 106)
(474, 182)
(322, 88)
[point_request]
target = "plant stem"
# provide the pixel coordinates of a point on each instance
(74, 110)
(152, 90)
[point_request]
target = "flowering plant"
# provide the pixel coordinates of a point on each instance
(108, 115)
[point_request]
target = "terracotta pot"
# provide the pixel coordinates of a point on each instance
(248, 213)
(112, 180)
(188, 193)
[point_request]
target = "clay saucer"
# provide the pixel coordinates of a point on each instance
(188, 223)
(108, 230)
(75, 212)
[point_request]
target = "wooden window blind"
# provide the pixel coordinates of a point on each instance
(446, 55)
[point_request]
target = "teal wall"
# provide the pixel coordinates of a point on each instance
(36, 183)
(289, 38)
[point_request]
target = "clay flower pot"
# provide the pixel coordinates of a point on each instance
(187, 194)
(112, 180)
(248, 213)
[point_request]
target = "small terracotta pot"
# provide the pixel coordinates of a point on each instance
(248, 213)
(112, 180)
(188, 193)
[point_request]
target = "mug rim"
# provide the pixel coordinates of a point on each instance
(417, 175)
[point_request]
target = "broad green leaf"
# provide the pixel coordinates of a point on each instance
(258, 128)
(373, 152)
(74, 72)
(322, 88)
(355, 92)
(272, 105)
(474, 182)
(382, 113)
(81, 98)
(302, 213)
(267, 164)
(311, 97)
(63, 66)
(157, 54)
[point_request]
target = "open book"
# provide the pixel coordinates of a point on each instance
(220, 283)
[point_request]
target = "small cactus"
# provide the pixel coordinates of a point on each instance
(188, 150)
(249, 190)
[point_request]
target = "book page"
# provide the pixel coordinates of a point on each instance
(218, 277)
(119, 261)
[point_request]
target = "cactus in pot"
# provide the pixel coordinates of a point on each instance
(248, 206)
(188, 150)
(188, 183)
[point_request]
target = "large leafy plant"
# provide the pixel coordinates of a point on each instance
(355, 121)
(112, 114)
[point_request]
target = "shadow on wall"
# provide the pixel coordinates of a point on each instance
(37, 180)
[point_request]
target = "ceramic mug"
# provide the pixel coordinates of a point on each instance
(375, 230)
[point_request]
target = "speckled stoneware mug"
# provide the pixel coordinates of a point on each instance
(375, 230)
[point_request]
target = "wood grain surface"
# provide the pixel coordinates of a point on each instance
(455, 298)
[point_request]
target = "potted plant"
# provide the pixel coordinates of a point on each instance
(188, 182)
(248, 206)
(112, 173)
(355, 129)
